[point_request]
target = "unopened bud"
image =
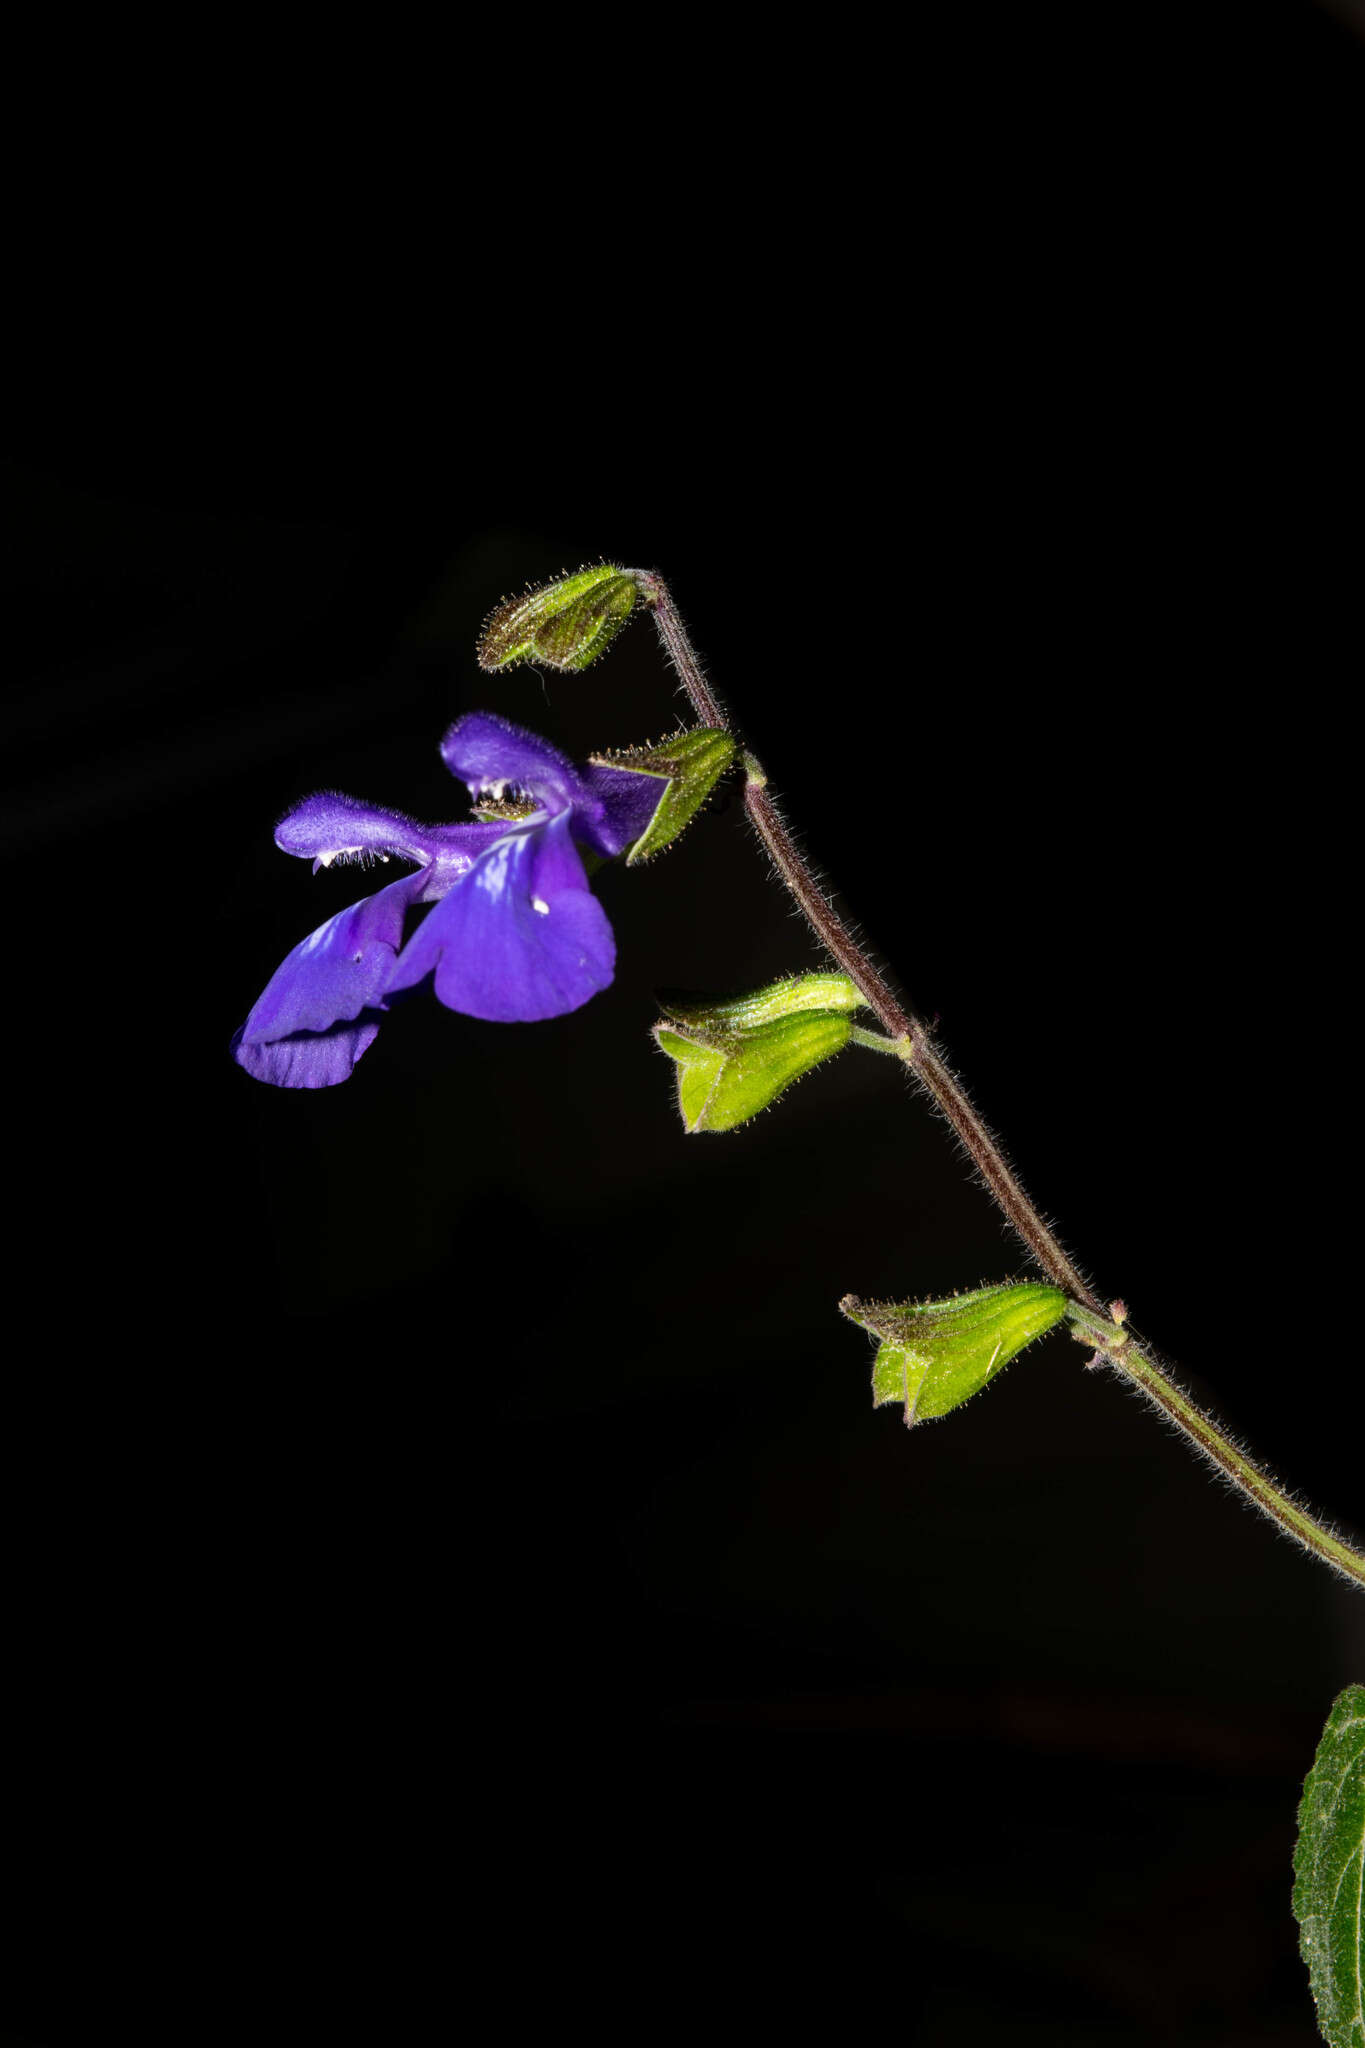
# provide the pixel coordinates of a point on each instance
(563, 625)
(934, 1355)
(688, 765)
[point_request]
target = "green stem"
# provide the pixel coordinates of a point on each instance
(1118, 1348)
(877, 1041)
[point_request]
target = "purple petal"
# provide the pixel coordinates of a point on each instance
(339, 970)
(330, 826)
(457, 849)
(521, 937)
(625, 802)
(489, 753)
(310, 1059)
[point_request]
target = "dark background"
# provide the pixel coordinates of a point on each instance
(451, 1552)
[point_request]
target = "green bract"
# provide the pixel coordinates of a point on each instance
(724, 1078)
(934, 1355)
(562, 625)
(1329, 1864)
(689, 764)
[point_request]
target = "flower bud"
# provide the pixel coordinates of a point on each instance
(934, 1355)
(563, 625)
(688, 765)
(724, 1078)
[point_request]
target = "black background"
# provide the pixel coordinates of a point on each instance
(452, 1555)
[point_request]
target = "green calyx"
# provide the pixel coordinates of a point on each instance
(934, 1355)
(736, 1054)
(563, 625)
(793, 996)
(689, 765)
(724, 1078)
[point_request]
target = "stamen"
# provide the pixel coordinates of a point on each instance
(503, 802)
(345, 856)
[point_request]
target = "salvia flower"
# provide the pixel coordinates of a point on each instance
(514, 934)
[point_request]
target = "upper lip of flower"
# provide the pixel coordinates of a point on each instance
(319, 1012)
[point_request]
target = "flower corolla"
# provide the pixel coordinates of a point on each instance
(513, 934)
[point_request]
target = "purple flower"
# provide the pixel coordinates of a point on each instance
(515, 933)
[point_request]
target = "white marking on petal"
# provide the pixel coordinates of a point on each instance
(492, 870)
(537, 905)
(321, 935)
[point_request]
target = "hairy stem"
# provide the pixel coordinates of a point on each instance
(1118, 1348)
(919, 1052)
(909, 1039)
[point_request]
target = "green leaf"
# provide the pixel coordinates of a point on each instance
(565, 624)
(934, 1355)
(1329, 1865)
(726, 1078)
(689, 764)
